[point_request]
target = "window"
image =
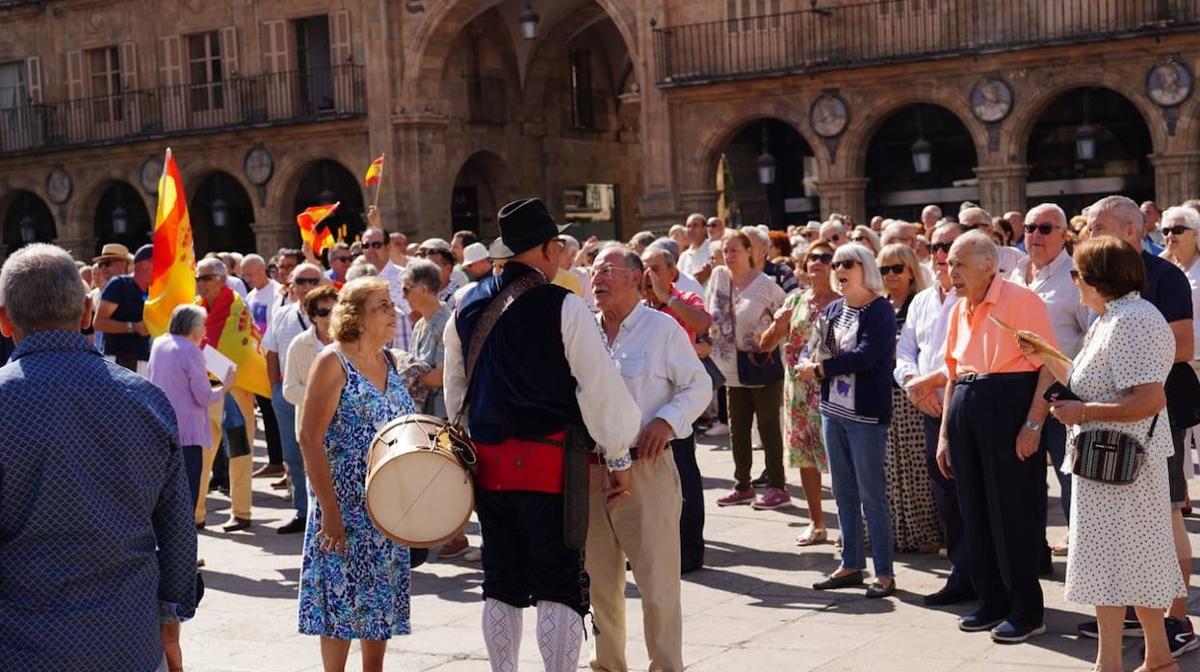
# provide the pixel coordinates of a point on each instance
(104, 67)
(14, 90)
(207, 89)
(907, 7)
(583, 113)
(747, 15)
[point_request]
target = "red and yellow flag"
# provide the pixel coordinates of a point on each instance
(230, 329)
(173, 280)
(374, 172)
(308, 221)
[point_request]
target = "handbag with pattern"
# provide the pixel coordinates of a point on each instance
(1110, 456)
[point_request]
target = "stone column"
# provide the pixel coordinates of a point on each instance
(82, 249)
(270, 236)
(421, 185)
(1176, 177)
(1002, 188)
(847, 195)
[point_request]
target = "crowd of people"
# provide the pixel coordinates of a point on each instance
(912, 362)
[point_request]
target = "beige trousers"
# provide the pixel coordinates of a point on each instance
(239, 467)
(643, 527)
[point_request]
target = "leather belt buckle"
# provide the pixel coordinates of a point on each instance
(968, 378)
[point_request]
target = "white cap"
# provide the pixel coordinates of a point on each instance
(474, 253)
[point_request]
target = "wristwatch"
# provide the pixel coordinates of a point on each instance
(1032, 425)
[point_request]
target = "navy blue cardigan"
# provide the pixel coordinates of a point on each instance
(872, 360)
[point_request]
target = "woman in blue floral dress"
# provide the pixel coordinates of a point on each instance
(354, 582)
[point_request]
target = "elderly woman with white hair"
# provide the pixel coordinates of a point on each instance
(853, 360)
(1181, 230)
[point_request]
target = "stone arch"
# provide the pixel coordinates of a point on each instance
(139, 208)
(15, 206)
(290, 169)
(81, 209)
(701, 167)
(853, 145)
(238, 233)
(542, 60)
(425, 59)
(1025, 114)
(495, 172)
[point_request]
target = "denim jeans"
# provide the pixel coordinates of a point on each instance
(856, 451)
(285, 416)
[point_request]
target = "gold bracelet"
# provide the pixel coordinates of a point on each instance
(1083, 410)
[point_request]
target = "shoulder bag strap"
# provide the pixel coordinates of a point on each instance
(1153, 424)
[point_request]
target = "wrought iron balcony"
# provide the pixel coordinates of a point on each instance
(892, 31)
(264, 100)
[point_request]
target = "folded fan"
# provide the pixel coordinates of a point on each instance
(1033, 339)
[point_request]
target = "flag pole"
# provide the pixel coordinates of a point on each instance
(379, 184)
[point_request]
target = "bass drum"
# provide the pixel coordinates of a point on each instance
(419, 491)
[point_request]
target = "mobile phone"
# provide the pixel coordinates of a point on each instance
(1059, 392)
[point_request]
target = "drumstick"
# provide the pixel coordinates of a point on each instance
(1033, 339)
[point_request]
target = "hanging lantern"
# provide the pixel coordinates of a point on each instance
(220, 213)
(922, 156)
(529, 22)
(120, 221)
(28, 229)
(1085, 142)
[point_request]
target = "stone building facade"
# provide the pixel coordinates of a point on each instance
(623, 114)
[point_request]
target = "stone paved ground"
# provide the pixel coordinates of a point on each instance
(750, 608)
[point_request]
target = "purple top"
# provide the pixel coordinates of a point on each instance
(177, 366)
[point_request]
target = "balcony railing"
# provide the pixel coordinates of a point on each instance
(889, 31)
(241, 102)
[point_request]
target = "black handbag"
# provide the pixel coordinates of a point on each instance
(755, 368)
(1110, 456)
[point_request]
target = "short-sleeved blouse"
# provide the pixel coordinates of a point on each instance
(739, 328)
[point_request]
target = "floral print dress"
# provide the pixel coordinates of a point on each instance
(363, 594)
(802, 399)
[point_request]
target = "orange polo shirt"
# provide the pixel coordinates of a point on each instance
(976, 344)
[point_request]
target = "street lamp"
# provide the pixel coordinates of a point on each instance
(120, 221)
(766, 162)
(220, 213)
(326, 196)
(1085, 142)
(529, 22)
(922, 156)
(28, 229)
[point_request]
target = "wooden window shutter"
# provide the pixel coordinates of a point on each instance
(340, 40)
(33, 74)
(75, 75)
(229, 52)
(129, 66)
(170, 68)
(275, 46)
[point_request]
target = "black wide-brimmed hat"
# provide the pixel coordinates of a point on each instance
(524, 225)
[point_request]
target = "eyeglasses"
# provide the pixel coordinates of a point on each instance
(845, 263)
(835, 237)
(206, 277)
(322, 312)
(820, 258)
(105, 263)
(343, 260)
(1043, 229)
(1175, 230)
(607, 270)
(374, 245)
(940, 247)
(710, 226)
(307, 282)
(894, 269)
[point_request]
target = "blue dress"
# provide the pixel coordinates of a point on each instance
(363, 594)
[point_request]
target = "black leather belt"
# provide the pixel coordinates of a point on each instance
(968, 378)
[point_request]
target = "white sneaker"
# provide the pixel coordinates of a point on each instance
(473, 555)
(717, 429)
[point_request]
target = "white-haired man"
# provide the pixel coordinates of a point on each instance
(694, 259)
(1017, 222)
(834, 233)
(930, 215)
(975, 217)
(261, 301)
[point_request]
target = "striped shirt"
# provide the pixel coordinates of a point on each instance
(843, 336)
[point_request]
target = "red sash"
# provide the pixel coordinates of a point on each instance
(516, 464)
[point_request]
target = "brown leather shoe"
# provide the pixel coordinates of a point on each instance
(281, 484)
(268, 470)
(237, 525)
(454, 548)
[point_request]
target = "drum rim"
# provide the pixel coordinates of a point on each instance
(449, 457)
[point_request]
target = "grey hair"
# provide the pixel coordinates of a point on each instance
(872, 280)
(571, 242)
(756, 235)
(186, 318)
(1060, 217)
(831, 225)
(360, 271)
(1185, 216)
(975, 212)
(1122, 207)
(892, 230)
(643, 238)
(665, 244)
(252, 259)
(425, 273)
(980, 245)
(657, 250)
(631, 258)
(694, 215)
(40, 289)
(212, 266)
(935, 210)
(309, 266)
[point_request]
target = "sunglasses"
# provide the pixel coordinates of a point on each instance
(374, 245)
(940, 247)
(857, 239)
(710, 226)
(894, 269)
(1077, 276)
(307, 282)
(321, 312)
(105, 263)
(1175, 230)
(1043, 229)
(835, 237)
(820, 258)
(206, 277)
(844, 264)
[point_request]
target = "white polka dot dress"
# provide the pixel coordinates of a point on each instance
(1121, 548)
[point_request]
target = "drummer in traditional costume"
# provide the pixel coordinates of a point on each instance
(541, 378)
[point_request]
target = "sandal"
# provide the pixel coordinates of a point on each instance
(812, 536)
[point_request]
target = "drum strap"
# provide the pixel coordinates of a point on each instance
(483, 329)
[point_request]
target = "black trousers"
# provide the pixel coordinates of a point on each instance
(271, 429)
(691, 520)
(945, 497)
(999, 495)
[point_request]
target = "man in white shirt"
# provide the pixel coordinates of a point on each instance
(261, 302)
(921, 370)
(1047, 271)
(696, 256)
(375, 251)
(671, 389)
(977, 218)
(930, 215)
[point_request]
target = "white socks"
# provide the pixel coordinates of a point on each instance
(560, 636)
(502, 634)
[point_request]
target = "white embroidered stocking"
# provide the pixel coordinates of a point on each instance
(502, 634)
(560, 636)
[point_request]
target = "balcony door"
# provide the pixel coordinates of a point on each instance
(15, 111)
(107, 104)
(313, 61)
(207, 89)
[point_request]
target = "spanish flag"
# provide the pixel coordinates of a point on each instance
(173, 279)
(374, 172)
(230, 329)
(308, 221)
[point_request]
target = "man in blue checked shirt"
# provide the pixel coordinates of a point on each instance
(97, 545)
